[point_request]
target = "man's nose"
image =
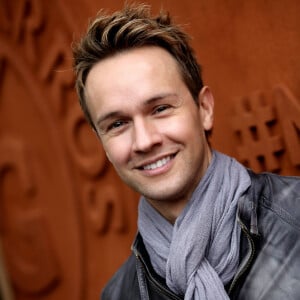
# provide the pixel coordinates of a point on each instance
(145, 135)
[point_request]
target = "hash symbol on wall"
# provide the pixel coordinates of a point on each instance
(267, 130)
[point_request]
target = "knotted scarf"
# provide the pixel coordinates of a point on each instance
(199, 254)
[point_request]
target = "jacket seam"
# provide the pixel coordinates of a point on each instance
(280, 212)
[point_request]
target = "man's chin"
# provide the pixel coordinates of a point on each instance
(162, 195)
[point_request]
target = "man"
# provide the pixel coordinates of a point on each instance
(207, 227)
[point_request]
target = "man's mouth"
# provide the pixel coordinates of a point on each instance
(159, 163)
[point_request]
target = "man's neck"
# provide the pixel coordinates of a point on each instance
(169, 210)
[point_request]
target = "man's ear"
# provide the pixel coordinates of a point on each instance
(206, 107)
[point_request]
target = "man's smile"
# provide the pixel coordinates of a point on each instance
(157, 164)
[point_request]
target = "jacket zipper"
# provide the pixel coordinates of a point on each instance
(247, 264)
(154, 281)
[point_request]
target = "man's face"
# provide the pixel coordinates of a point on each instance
(149, 125)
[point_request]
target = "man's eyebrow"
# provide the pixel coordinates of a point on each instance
(159, 97)
(119, 113)
(107, 116)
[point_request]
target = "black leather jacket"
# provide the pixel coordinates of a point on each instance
(269, 216)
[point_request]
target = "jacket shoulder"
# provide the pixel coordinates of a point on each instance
(124, 284)
(272, 203)
(281, 194)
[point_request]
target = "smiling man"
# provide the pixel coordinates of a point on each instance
(207, 227)
(150, 126)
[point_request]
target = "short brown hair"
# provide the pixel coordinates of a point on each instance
(133, 27)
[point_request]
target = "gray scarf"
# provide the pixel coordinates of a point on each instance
(199, 254)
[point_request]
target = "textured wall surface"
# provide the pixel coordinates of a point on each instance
(66, 220)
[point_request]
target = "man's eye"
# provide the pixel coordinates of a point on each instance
(161, 108)
(116, 124)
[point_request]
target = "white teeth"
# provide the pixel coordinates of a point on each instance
(157, 164)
